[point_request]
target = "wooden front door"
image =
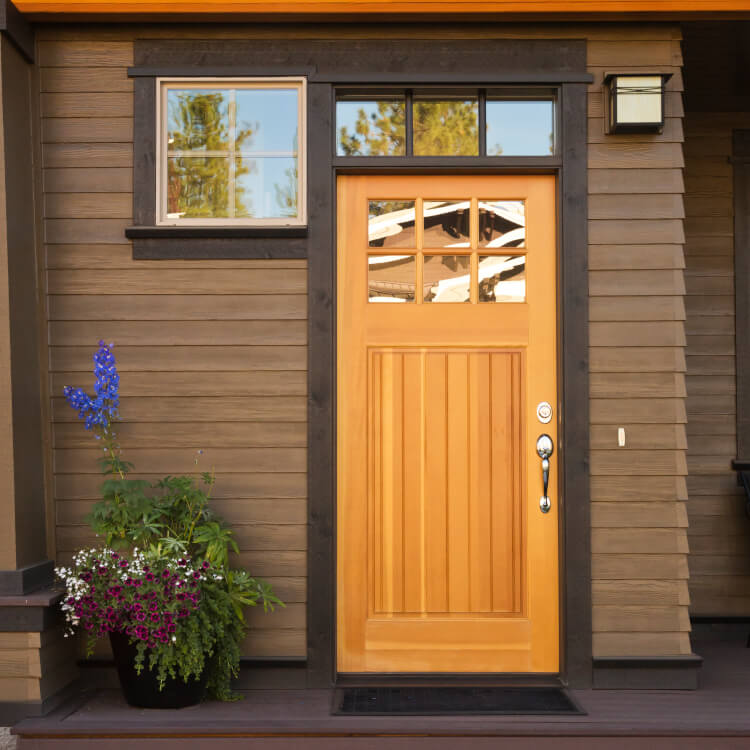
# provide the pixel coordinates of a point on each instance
(446, 346)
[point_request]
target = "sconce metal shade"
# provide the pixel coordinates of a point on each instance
(635, 102)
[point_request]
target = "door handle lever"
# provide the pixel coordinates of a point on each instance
(545, 448)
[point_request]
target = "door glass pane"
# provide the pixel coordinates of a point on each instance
(197, 119)
(447, 278)
(266, 188)
(446, 127)
(520, 127)
(446, 223)
(502, 278)
(197, 187)
(391, 278)
(374, 127)
(391, 224)
(502, 223)
(267, 121)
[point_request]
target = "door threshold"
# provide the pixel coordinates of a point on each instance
(452, 679)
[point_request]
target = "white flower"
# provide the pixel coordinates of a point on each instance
(174, 639)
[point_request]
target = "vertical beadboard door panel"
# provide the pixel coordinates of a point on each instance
(445, 561)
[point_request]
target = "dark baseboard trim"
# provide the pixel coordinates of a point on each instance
(28, 579)
(442, 679)
(30, 613)
(647, 672)
(11, 712)
(17, 29)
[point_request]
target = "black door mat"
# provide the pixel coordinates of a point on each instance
(451, 701)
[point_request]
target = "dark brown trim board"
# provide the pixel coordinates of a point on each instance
(741, 159)
(26, 579)
(25, 562)
(651, 673)
(412, 62)
(17, 29)
(573, 312)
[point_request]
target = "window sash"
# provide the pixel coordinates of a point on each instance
(164, 153)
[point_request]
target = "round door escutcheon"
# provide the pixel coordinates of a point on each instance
(544, 412)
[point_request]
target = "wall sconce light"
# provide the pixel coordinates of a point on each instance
(635, 102)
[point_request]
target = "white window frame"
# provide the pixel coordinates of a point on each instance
(163, 85)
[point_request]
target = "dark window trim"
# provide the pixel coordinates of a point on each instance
(741, 168)
(530, 76)
(557, 61)
(380, 62)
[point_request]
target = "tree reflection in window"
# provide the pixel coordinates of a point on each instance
(231, 154)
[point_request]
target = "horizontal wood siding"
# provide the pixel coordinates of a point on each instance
(212, 354)
(637, 341)
(719, 529)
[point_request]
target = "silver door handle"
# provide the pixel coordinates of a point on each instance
(545, 448)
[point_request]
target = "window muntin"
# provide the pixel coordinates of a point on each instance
(436, 250)
(231, 152)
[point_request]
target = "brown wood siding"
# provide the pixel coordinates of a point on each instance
(200, 333)
(212, 354)
(637, 363)
(719, 529)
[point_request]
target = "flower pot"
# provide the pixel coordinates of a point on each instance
(142, 690)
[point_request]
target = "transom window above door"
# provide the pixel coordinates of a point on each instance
(470, 250)
(231, 152)
(471, 122)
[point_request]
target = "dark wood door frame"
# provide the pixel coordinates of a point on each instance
(570, 167)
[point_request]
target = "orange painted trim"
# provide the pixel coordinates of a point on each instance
(326, 7)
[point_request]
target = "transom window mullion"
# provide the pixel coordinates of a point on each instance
(232, 146)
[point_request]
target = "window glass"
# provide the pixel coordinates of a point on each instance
(391, 224)
(502, 278)
(198, 187)
(372, 127)
(197, 120)
(266, 187)
(446, 127)
(266, 121)
(446, 223)
(391, 278)
(232, 153)
(447, 278)
(502, 223)
(517, 127)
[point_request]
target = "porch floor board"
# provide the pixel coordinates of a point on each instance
(284, 718)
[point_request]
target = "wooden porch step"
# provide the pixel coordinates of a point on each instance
(388, 743)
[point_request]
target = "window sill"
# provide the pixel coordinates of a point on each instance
(216, 243)
(149, 233)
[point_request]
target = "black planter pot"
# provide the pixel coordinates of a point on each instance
(142, 690)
